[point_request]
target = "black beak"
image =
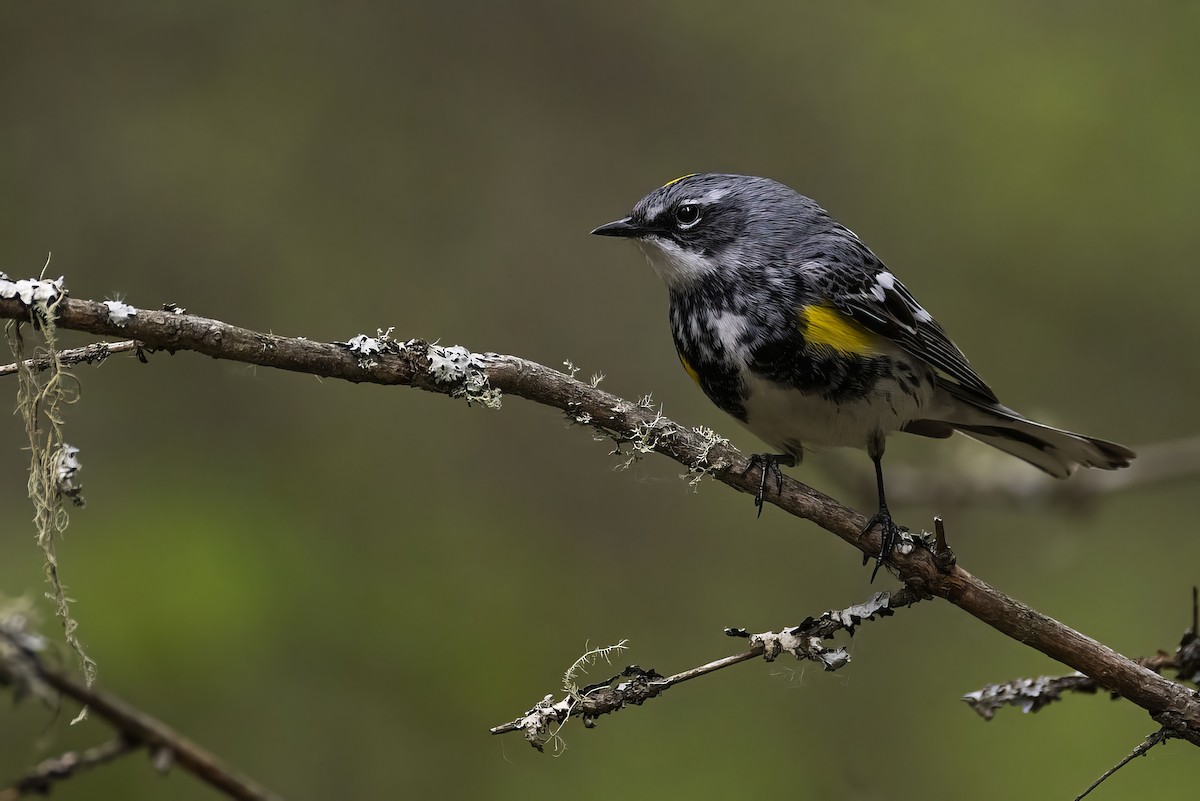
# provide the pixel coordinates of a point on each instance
(624, 227)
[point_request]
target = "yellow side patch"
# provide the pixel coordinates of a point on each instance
(824, 326)
(687, 367)
(677, 180)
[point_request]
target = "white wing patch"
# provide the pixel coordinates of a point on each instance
(885, 282)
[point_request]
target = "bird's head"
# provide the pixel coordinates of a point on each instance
(702, 224)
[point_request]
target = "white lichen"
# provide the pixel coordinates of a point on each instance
(449, 365)
(31, 291)
(801, 646)
(367, 347)
(702, 465)
(645, 437)
(119, 313)
(906, 542)
(66, 470)
(541, 724)
(364, 346)
(454, 364)
(545, 721)
(477, 389)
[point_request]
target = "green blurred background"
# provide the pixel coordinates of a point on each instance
(340, 588)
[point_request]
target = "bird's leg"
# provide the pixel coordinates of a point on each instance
(768, 464)
(889, 532)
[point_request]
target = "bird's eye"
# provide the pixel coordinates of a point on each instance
(687, 215)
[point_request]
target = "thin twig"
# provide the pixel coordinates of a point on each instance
(1033, 694)
(634, 686)
(136, 726)
(94, 353)
(1160, 736)
(943, 557)
(481, 377)
(40, 780)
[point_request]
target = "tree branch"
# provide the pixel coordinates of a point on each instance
(1031, 695)
(22, 666)
(481, 377)
(96, 352)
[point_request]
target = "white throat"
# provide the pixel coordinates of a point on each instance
(675, 266)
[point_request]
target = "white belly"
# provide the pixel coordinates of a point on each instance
(788, 419)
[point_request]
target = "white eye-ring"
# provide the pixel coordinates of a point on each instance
(687, 215)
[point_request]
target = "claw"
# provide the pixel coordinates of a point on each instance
(889, 533)
(768, 464)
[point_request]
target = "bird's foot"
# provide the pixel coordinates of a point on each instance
(768, 465)
(889, 535)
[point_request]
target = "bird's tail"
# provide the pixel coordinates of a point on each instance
(1054, 450)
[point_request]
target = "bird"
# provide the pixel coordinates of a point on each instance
(788, 322)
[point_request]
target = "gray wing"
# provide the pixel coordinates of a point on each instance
(869, 294)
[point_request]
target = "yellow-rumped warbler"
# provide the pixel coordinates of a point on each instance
(789, 323)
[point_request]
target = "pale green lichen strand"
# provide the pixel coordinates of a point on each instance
(53, 463)
(702, 465)
(647, 435)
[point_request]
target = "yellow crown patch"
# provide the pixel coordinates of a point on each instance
(677, 180)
